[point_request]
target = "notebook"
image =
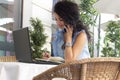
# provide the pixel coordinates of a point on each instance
(23, 49)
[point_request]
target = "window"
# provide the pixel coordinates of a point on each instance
(10, 19)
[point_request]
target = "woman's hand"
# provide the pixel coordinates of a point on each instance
(68, 33)
(46, 55)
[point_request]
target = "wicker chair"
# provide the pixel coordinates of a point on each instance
(86, 69)
(7, 59)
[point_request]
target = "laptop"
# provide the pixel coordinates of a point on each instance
(23, 49)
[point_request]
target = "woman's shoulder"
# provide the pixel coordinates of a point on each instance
(82, 31)
(80, 34)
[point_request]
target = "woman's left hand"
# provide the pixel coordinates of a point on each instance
(46, 55)
(68, 33)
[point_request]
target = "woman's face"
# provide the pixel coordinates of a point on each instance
(59, 21)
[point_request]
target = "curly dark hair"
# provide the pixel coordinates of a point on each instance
(69, 12)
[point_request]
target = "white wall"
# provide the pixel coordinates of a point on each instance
(27, 12)
(41, 9)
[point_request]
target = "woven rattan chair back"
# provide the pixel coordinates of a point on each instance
(7, 59)
(86, 69)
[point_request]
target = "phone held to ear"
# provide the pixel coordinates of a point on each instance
(64, 30)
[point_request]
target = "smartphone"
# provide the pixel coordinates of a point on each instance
(64, 30)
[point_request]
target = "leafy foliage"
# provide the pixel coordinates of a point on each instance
(112, 40)
(38, 38)
(88, 12)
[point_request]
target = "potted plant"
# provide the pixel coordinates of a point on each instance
(37, 38)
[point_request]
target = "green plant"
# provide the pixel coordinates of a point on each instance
(112, 40)
(38, 38)
(87, 12)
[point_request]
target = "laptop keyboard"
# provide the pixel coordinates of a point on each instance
(47, 62)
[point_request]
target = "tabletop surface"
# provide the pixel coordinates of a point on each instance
(21, 71)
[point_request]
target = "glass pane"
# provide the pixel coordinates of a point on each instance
(9, 10)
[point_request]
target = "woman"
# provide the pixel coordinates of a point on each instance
(73, 34)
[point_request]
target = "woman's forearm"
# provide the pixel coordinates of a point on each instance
(68, 54)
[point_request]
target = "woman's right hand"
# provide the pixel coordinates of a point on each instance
(68, 33)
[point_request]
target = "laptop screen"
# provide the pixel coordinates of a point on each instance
(22, 45)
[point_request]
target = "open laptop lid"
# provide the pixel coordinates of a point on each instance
(22, 45)
(23, 49)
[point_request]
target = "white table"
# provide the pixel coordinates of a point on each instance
(21, 71)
